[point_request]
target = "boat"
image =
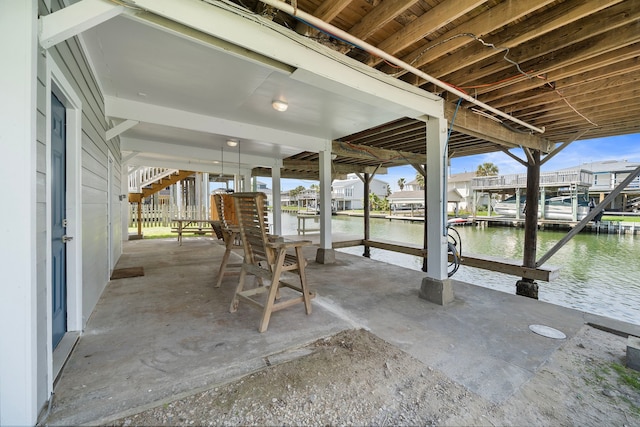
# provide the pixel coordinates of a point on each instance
(458, 221)
(555, 208)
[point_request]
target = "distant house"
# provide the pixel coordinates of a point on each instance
(459, 190)
(607, 175)
(348, 193)
(459, 193)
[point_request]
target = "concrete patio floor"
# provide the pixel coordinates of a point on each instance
(169, 333)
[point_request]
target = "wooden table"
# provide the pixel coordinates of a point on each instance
(302, 219)
(193, 226)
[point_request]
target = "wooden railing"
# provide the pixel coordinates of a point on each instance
(164, 216)
(141, 177)
(563, 178)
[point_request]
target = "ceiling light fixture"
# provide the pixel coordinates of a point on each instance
(279, 105)
(232, 142)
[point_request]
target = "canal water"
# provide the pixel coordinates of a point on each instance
(600, 273)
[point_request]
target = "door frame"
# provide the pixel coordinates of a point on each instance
(111, 161)
(58, 84)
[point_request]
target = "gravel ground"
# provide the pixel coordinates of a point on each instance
(355, 378)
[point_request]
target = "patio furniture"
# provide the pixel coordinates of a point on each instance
(225, 209)
(268, 259)
(195, 226)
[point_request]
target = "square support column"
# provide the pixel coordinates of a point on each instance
(276, 200)
(436, 287)
(246, 180)
(325, 254)
(19, 383)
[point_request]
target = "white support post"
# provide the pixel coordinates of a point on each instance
(436, 287)
(19, 403)
(325, 254)
(206, 191)
(246, 180)
(276, 200)
(179, 199)
(124, 204)
(198, 190)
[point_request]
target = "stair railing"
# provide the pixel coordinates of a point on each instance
(141, 177)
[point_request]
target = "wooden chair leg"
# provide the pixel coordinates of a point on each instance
(223, 265)
(273, 292)
(235, 301)
(306, 295)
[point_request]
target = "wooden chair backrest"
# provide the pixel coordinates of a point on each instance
(254, 229)
(225, 210)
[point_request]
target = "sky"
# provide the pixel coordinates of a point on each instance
(626, 147)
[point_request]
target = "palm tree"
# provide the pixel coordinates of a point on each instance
(420, 180)
(487, 169)
(401, 183)
(295, 192)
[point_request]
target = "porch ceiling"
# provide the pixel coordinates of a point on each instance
(572, 68)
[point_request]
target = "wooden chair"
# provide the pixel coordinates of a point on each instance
(267, 259)
(225, 209)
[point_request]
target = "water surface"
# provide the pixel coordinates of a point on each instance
(600, 273)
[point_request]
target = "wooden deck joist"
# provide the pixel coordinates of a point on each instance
(545, 273)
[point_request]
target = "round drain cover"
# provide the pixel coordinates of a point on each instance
(548, 332)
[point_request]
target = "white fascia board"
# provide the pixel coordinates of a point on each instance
(73, 20)
(196, 166)
(149, 113)
(186, 165)
(372, 91)
(324, 67)
(188, 152)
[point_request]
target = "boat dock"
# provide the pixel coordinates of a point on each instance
(608, 227)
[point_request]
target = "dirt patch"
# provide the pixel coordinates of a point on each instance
(355, 378)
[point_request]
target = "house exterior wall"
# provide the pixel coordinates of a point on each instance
(350, 192)
(19, 324)
(94, 160)
(73, 68)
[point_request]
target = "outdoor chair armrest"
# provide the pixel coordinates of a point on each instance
(288, 244)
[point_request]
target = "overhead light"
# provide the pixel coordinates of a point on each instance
(279, 105)
(232, 142)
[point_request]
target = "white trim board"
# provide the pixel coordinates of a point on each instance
(57, 83)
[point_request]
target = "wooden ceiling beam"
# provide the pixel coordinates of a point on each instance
(598, 115)
(584, 54)
(341, 168)
(563, 69)
(589, 76)
(474, 124)
(327, 11)
(589, 37)
(286, 173)
(380, 16)
(380, 155)
(592, 91)
(539, 27)
(497, 17)
(434, 19)
(593, 101)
